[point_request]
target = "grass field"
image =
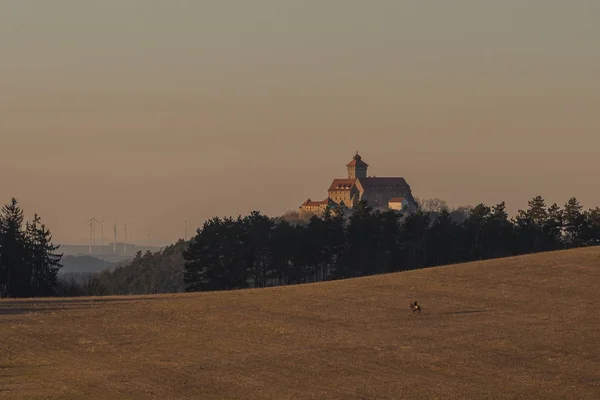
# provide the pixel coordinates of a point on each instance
(516, 328)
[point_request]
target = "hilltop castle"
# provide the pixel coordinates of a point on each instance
(382, 193)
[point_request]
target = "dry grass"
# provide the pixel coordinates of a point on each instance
(519, 328)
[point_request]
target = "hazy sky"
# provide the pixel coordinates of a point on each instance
(154, 112)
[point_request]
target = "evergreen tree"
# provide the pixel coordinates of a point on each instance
(15, 278)
(257, 237)
(361, 256)
(389, 240)
(553, 229)
(414, 240)
(530, 225)
(44, 262)
(217, 257)
(284, 243)
(316, 248)
(476, 233)
(499, 233)
(443, 240)
(574, 223)
(591, 234)
(335, 243)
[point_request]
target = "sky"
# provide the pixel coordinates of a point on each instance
(152, 112)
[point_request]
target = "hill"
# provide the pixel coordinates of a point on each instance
(106, 252)
(83, 264)
(523, 327)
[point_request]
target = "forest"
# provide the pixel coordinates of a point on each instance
(258, 251)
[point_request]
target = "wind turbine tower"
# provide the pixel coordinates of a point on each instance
(125, 236)
(102, 233)
(91, 221)
(114, 238)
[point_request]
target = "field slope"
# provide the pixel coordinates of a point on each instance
(516, 328)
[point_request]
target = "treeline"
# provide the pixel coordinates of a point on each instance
(147, 273)
(258, 251)
(29, 263)
(255, 251)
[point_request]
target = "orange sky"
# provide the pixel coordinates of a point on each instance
(154, 112)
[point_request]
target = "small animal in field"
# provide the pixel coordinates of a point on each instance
(415, 307)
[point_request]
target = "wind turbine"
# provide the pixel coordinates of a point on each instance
(92, 237)
(102, 234)
(95, 220)
(114, 238)
(186, 230)
(125, 236)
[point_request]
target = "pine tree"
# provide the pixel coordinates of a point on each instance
(574, 223)
(475, 230)
(591, 234)
(530, 225)
(42, 259)
(316, 248)
(336, 245)
(257, 233)
(553, 229)
(362, 233)
(14, 281)
(389, 240)
(283, 244)
(413, 244)
(500, 235)
(443, 240)
(215, 258)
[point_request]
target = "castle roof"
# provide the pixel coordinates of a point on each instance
(311, 203)
(342, 184)
(357, 162)
(378, 183)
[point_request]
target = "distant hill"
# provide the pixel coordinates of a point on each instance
(105, 252)
(158, 272)
(83, 264)
(520, 327)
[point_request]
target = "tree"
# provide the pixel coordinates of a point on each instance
(553, 229)
(389, 240)
(414, 240)
(44, 262)
(574, 223)
(443, 240)
(283, 244)
(475, 231)
(432, 205)
(14, 279)
(256, 230)
(334, 242)
(591, 234)
(217, 257)
(361, 256)
(499, 233)
(30, 263)
(530, 226)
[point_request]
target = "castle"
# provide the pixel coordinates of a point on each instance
(381, 193)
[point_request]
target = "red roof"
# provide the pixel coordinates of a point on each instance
(357, 162)
(342, 184)
(310, 203)
(396, 200)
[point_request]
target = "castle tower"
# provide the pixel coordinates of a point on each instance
(357, 168)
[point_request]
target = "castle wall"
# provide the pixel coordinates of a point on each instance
(343, 195)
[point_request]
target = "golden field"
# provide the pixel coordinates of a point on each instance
(516, 328)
